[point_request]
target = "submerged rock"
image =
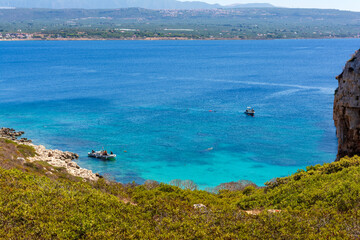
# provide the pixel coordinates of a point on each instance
(347, 109)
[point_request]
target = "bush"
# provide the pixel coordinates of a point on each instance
(26, 151)
(186, 184)
(150, 184)
(322, 202)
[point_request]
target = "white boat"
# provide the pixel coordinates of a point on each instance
(102, 155)
(250, 111)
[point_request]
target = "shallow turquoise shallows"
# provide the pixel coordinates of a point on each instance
(174, 109)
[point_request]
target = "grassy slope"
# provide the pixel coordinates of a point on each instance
(41, 202)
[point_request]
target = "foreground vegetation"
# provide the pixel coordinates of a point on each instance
(38, 201)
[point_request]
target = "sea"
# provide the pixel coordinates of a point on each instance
(175, 109)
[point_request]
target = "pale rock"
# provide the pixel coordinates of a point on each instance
(199, 206)
(61, 159)
(22, 160)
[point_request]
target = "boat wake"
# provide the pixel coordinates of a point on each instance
(299, 87)
(283, 93)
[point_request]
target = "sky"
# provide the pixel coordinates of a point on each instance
(352, 5)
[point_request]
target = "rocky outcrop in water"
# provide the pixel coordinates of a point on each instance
(347, 109)
(10, 133)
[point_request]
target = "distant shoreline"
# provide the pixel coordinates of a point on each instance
(167, 39)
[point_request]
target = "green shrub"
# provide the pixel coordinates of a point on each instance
(322, 203)
(9, 141)
(26, 151)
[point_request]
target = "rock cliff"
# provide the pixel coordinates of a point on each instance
(347, 109)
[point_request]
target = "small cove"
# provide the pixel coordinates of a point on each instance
(174, 109)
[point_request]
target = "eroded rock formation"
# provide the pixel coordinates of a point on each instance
(347, 109)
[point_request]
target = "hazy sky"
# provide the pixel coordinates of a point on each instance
(353, 5)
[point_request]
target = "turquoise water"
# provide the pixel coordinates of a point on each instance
(176, 107)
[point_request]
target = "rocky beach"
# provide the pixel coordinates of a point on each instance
(55, 157)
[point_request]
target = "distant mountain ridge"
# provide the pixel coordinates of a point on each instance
(250, 5)
(111, 4)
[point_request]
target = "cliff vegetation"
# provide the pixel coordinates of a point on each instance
(39, 201)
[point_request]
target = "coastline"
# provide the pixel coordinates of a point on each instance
(56, 158)
(168, 39)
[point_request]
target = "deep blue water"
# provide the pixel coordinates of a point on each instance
(152, 99)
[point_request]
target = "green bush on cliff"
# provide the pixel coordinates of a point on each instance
(321, 202)
(26, 150)
(334, 185)
(15, 149)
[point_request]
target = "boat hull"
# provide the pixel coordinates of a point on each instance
(249, 114)
(103, 157)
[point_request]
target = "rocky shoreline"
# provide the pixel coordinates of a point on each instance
(55, 158)
(167, 39)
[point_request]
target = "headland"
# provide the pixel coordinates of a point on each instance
(56, 158)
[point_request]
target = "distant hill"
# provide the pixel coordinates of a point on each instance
(111, 4)
(140, 23)
(250, 5)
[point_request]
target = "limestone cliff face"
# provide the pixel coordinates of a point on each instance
(347, 109)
